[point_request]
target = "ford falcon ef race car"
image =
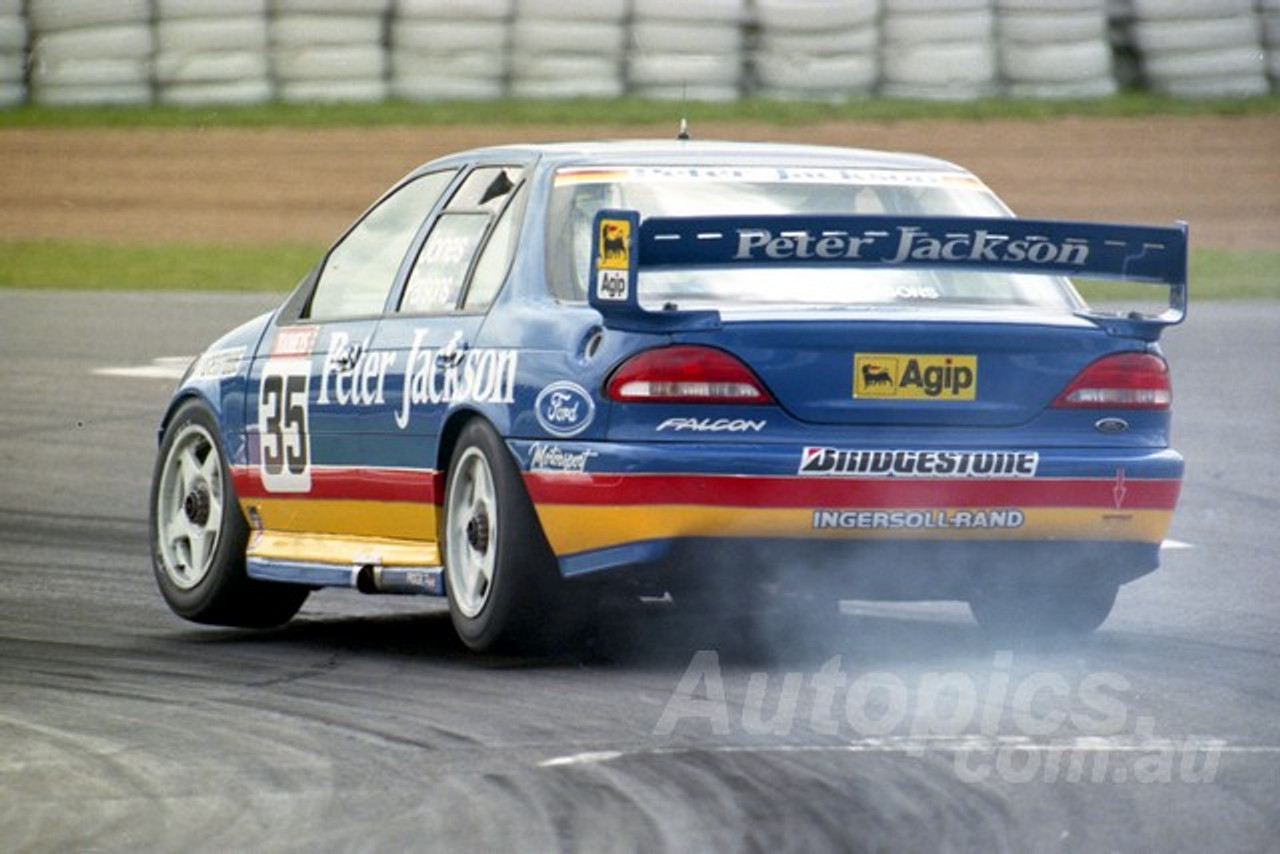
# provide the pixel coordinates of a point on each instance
(684, 369)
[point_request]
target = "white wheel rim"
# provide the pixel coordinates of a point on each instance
(471, 533)
(189, 507)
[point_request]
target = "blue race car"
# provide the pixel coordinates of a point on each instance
(695, 369)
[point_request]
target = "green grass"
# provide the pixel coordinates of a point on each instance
(1234, 273)
(1215, 273)
(622, 111)
(157, 267)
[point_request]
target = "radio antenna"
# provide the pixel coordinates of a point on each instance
(683, 133)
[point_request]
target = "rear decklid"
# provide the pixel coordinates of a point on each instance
(860, 370)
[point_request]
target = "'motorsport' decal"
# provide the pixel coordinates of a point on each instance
(919, 464)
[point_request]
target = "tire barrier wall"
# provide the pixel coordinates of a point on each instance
(196, 52)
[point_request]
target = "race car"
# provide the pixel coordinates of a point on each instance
(531, 375)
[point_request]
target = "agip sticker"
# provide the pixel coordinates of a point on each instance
(613, 264)
(903, 376)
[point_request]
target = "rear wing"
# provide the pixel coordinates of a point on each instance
(623, 246)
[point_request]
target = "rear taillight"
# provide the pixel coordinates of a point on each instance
(1120, 381)
(685, 374)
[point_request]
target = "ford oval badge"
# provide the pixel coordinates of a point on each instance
(1111, 426)
(564, 409)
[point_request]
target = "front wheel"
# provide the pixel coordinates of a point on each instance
(199, 534)
(505, 591)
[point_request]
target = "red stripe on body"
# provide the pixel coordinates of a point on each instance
(742, 491)
(359, 484)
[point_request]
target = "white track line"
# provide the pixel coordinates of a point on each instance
(941, 744)
(166, 368)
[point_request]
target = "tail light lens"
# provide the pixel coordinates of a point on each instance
(1120, 381)
(685, 374)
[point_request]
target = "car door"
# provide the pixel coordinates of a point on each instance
(431, 335)
(318, 391)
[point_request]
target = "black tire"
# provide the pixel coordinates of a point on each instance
(199, 533)
(504, 587)
(1044, 610)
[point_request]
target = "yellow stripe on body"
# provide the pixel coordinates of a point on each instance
(390, 533)
(342, 551)
(579, 528)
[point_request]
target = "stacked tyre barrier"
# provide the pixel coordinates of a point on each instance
(825, 50)
(1200, 48)
(89, 52)
(329, 50)
(1270, 13)
(568, 48)
(938, 51)
(214, 52)
(13, 53)
(680, 49)
(1055, 48)
(445, 50)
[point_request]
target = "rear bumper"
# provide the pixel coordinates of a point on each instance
(604, 505)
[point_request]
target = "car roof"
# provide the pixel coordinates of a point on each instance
(686, 152)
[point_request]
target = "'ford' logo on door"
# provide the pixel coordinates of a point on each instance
(564, 409)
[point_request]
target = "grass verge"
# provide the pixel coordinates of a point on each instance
(624, 111)
(1215, 273)
(65, 265)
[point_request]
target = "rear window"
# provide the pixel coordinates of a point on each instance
(579, 193)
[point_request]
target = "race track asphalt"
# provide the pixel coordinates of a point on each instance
(364, 726)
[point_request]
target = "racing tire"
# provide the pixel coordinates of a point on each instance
(211, 93)
(454, 10)
(504, 588)
(199, 534)
(447, 37)
(1043, 610)
(48, 16)
(13, 39)
(1156, 10)
(169, 10)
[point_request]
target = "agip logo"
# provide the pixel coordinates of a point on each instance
(615, 244)
(613, 264)
(904, 376)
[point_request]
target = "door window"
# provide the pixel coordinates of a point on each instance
(480, 214)
(360, 270)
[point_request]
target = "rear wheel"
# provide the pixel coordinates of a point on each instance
(505, 591)
(199, 534)
(1029, 609)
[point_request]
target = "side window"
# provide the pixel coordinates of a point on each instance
(441, 269)
(491, 269)
(360, 270)
(440, 273)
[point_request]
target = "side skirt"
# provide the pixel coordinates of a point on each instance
(367, 578)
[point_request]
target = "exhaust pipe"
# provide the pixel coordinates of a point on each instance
(405, 580)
